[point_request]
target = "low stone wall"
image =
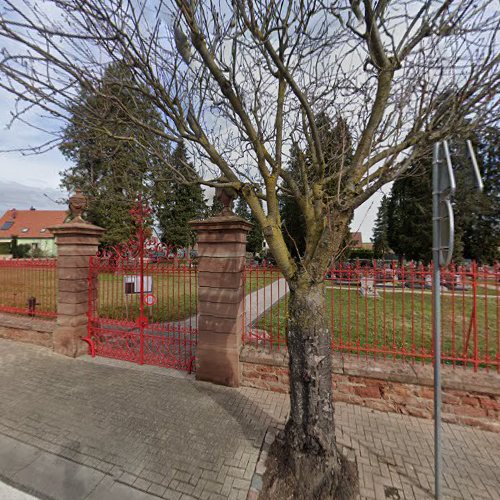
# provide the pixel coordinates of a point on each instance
(468, 398)
(27, 329)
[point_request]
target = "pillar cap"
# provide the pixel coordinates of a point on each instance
(221, 222)
(76, 228)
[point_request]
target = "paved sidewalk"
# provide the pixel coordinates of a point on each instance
(9, 493)
(257, 303)
(71, 430)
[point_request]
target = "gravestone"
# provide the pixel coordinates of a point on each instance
(368, 287)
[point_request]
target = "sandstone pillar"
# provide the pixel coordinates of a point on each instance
(76, 242)
(221, 297)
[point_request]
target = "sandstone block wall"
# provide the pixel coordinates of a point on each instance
(26, 329)
(468, 398)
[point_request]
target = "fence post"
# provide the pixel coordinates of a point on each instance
(221, 244)
(474, 314)
(76, 242)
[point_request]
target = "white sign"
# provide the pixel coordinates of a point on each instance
(132, 284)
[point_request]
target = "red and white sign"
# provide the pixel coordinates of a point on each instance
(150, 299)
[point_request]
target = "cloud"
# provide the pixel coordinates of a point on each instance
(22, 197)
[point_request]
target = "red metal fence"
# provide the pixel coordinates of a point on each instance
(143, 300)
(153, 323)
(28, 286)
(265, 321)
(386, 312)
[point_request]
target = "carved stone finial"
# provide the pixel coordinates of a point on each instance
(77, 204)
(226, 195)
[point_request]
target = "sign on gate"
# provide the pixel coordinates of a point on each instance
(150, 300)
(132, 284)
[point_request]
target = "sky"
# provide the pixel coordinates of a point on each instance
(26, 180)
(34, 180)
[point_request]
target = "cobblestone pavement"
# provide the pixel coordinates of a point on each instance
(170, 437)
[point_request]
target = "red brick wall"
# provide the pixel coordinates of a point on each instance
(26, 329)
(468, 398)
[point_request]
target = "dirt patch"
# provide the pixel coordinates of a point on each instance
(317, 480)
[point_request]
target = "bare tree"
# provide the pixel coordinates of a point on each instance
(242, 82)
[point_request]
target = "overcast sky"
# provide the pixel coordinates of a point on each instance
(33, 180)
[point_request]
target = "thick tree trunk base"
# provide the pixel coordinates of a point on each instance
(291, 474)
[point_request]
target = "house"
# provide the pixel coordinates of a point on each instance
(30, 227)
(356, 242)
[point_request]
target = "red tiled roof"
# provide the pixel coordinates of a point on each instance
(35, 221)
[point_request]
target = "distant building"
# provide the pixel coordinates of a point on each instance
(30, 227)
(357, 242)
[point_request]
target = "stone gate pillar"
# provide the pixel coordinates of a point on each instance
(221, 297)
(76, 242)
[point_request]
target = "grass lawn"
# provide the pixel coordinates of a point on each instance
(18, 283)
(175, 292)
(395, 321)
(174, 288)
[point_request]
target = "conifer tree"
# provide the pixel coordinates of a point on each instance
(337, 145)
(481, 237)
(409, 213)
(255, 238)
(110, 166)
(178, 203)
(475, 214)
(380, 230)
(292, 219)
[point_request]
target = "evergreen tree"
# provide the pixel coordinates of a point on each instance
(380, 230)
(291, 215)
(176, 204)
(215, 208)
(481, 238)
(476, 214)
(337, 149)
(110, 168)
(409, 213)
(255, 239)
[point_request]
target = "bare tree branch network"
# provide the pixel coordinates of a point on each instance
(242, 83)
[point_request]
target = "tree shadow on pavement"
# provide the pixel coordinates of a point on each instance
(252, 418)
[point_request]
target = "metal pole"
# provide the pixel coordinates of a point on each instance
(436, 243)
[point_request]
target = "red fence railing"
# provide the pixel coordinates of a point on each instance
(265, 320)
(28, 286)
(386, 312)
(155, 323)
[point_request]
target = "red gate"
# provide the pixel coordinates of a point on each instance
(143, 301)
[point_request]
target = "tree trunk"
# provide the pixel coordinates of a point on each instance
(304, 460)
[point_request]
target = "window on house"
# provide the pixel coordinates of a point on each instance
(7, 225)
(24, 230)
(43, 230)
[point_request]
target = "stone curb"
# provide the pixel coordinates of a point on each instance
(260, 468)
